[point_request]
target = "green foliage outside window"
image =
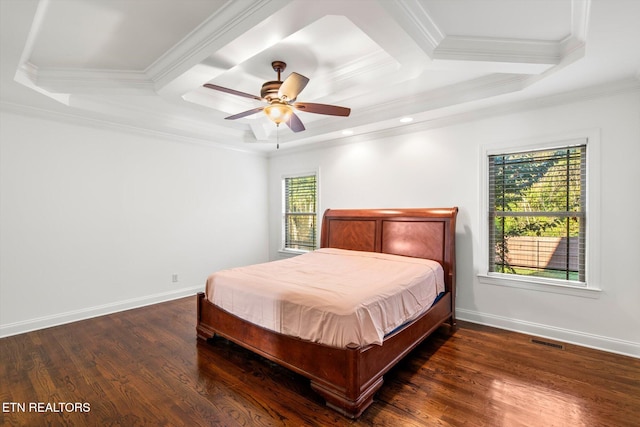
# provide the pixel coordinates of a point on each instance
(300, 212)
(537, 213)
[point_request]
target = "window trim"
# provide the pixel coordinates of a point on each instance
(591, 288)
(288, 251)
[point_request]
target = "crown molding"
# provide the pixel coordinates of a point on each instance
(415, 19)
(231, 20)
(76, 81)
(458, 93)
(628, 85)
(619, 87)
(85, 120)
(27, 70)
(479, 88)
(498, 50)
(624, 86)
(580, 14)
(580, 95)
(574, 44)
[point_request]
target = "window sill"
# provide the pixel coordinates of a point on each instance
(289, 253)
(540, 285)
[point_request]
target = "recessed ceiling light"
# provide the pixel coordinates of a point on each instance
(406, 119)
(347, 132)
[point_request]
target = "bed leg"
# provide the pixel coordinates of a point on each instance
(453, 326)
(204, 335)
(203, 332)
(339, 402)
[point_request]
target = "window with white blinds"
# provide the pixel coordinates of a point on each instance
(300, 212)
(537, 213)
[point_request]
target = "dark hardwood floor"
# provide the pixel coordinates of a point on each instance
(144, 367)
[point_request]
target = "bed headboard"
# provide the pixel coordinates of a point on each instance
(419, 233)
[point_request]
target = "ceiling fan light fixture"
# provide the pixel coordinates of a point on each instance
(278, 112)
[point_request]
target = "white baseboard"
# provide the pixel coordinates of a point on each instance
(613, 345)
(87, 313)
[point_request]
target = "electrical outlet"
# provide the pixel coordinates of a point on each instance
(174, 278)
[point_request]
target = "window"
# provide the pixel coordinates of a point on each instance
(300, 212)
(537, 213)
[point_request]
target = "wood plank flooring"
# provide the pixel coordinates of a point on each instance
(144, 367)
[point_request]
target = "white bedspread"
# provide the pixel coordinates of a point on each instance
(331, 296)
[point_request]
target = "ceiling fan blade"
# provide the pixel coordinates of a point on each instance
(294, 123)
(292, 86)
(330, 110)
(231, 91)
(245, 113)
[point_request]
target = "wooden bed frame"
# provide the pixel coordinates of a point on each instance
(347, 378)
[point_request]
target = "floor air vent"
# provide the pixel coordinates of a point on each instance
(547, 343)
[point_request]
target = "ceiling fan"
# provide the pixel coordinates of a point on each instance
(281, 98)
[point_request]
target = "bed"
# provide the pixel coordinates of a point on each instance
(348, 374)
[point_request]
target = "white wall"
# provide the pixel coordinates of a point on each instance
(95, 220)
(441, 167)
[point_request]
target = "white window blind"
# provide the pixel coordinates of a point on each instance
(537, 213)
(300, 212)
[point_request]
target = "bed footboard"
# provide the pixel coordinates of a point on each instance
(347, 378)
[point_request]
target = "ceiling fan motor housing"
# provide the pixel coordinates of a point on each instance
(270, 90)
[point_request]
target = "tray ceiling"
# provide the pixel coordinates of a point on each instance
(143, 63)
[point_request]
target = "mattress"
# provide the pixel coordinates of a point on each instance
(330, 296)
